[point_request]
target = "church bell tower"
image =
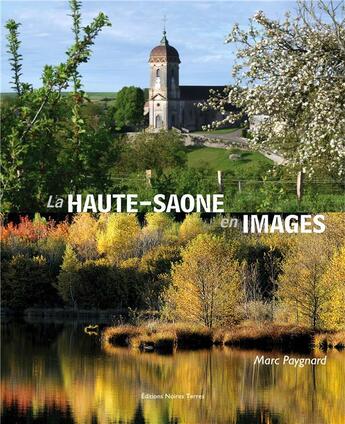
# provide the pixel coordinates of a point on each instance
(164, 91)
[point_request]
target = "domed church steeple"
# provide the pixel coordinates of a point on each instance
(164, 90)
(164, 52)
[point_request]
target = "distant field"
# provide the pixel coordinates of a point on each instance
(216, 159)
(4, 95)
(93, 95)
(96, 96)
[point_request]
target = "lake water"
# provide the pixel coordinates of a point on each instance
(59, 374)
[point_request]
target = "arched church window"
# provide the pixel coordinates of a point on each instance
(158, 73)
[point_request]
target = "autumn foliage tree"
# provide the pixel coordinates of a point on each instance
(191, 226)
(186, 272)
(82, 235)
(118, 239)
(69, 278)
(334, 278)
(305, 289)
(206, 285)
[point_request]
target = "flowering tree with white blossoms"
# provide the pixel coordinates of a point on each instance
(292, 73)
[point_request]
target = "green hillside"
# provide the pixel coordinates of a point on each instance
(249, 163)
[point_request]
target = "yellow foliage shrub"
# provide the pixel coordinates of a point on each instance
(192, 226)
(119, 237)
(157, 221)
(82, 236)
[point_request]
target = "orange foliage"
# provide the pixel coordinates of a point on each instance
(33, 230)
(26, 229)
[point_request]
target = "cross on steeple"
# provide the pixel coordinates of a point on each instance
(164, 40)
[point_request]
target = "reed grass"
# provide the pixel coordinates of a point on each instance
(120, 335)
(165, 338)
(162, 338)
(270, 336)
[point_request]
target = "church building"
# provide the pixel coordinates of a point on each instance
(171, 105)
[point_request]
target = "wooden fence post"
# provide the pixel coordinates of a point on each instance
(220, 181)
(299, 188)
(240, 186)
(148, 175)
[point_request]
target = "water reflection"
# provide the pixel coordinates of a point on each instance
(55, 374)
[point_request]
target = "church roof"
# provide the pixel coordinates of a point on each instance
(198, 92)
(164, 52)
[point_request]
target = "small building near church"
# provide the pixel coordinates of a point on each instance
(171, 105)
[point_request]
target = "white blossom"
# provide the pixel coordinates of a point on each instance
(293, 72)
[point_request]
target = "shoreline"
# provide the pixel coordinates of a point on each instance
(167, 338)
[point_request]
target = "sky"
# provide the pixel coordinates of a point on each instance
(197, 29)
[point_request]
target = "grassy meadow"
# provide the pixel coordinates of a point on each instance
(101, 97)
(215, 159)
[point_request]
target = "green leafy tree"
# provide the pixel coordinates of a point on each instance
(129, 107)
(160, 152)
(26, 282)
(96, 283)
(78, 97)
(15, 57)
(37, 127)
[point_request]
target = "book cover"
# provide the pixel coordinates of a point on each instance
(172, 212)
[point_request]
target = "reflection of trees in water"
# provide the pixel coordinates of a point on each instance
(258, 417)
(13, 414)
(27, 334)
(29, 349)
(73, 372)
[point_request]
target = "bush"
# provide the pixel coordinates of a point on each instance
(160, 260)
(257, 311)
(26, 282)
(98, 284)
(119, 238)
(102, 286)
(157, 151)
(191, 227)
(155, 267)
(82, 236)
